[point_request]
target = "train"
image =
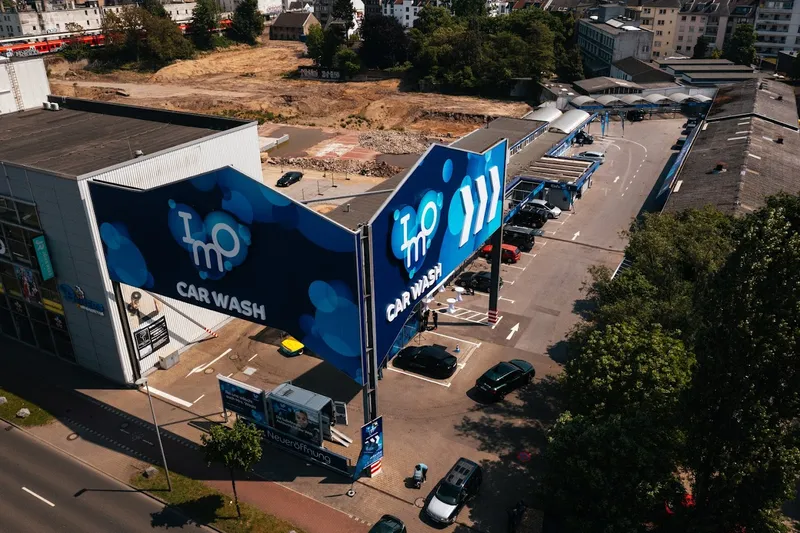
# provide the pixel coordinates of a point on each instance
(26, 47)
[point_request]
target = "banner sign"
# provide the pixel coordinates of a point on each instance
(308, 451)
(78, 297)
(151, 337)
(447, 207)
(296, 421)
(243, 399)
(371, 445)
(27, 283)
(43, 257)
(320, 73)
(228, 243)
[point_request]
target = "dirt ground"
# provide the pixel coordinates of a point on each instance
(255, 80)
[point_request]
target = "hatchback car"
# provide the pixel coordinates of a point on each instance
(531, 217)
(461, 484)
(433, 361)
(482, 281)
(388, 524)
(510, 253)
(551, 210)
(594, 156)
(504, 378)
(289, 178)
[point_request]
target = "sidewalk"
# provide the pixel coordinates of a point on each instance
(115, 436)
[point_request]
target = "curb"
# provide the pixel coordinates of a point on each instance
(115, 478)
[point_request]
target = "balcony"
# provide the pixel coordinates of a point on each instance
(775, 7)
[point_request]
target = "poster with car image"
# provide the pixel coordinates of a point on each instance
(296, 421)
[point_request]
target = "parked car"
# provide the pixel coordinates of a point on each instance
(504, 377)
(389, 524)
(431, 360)
(635, 115)
(460, 485)
(482, 281)
(681, 141)
(594, 156)
(551, 210)
(583, 138)
(523, 238)
(510, 253)
(289, 178)
(531, 217)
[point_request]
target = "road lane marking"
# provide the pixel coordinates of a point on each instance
(198, 399)
(476, 344)
(514, 329)
(29, 491)
(256, 355)
(515, 266)
(615, 179)
(576, 235)
(200, 368)
(170, 397)
(498, 321)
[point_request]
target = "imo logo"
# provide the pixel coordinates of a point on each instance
(413, 230)
(215, 244)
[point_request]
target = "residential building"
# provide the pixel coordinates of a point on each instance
(495, 8)
(777, 27)
(660, 16)
(605, 42)
(292, 26)
(371, 7)
(266, 7)
(405, 11)
(322, 10)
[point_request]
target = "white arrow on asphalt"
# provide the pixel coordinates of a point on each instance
(577, 233)
(494, 175)
(483, 203)
(203, 367)
(513, 330)
(469, 209)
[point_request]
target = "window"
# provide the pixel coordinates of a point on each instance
(28, 215)
(680, 38)
(683, 18)
(406, 9)
(660, 22)
(406, 17)
(688, 48)
(693, 19)
(656, 54)
(646, 11)
(691, 29)
(662, 11)
(656, 43)
(34, 28)
(659, 32)
(85, 11)
(88, 23)
(678, 48)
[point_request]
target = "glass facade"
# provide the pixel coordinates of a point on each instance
(31, 309)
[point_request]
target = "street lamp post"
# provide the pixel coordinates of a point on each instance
(140, 382)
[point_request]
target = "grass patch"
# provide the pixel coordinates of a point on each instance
(251, 114)
(206, 505)
(8, 410)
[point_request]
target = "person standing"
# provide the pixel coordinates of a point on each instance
(435, 320)
(425, 319)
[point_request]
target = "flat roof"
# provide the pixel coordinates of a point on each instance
(772, 100)
(533, 152)
(709, 68)
(359, 210)
(690, 61)
(513, 129)
(86, 136)
(556, 169)
(697, 76)
(604, 82)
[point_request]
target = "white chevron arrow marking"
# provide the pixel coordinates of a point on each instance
(494, 175)
(469, 210)
(483, 197)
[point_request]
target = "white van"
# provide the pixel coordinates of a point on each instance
(552, 211)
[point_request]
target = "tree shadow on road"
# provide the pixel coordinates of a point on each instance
(202, 510)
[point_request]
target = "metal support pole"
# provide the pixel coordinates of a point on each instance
(126, 329)
(494, 285)
(158, 434)
(370, 391)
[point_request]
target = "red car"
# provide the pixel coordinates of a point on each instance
(511, 254)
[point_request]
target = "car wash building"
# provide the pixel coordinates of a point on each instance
(56, 293)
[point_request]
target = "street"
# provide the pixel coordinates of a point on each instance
(42, 490)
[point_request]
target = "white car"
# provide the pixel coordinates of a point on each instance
(594, 156)
(552, 211)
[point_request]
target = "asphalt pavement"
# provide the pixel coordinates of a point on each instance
(42, 489)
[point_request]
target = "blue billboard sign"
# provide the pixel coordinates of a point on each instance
(306, 450)
(243, 399)
(371, 445)
(228, 243)
(43, 258)
(445, 209)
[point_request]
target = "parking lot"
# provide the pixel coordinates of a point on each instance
(437, 421)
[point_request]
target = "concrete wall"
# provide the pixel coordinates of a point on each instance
(636, 44)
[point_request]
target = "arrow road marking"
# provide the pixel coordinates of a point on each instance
(29, 491)
(469, 210)
(513, 330)
(203, 367)
(483, 197)
(577, 233)
(494, 175)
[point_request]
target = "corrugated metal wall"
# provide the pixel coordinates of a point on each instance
(32, 80)
(237, 148)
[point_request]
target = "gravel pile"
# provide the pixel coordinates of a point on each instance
(364, 168)
(394, 142)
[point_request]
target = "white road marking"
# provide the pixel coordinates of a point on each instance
(256, 355)
(203, 367)
(498, 321)
(514, 329)
(534, 255)
(445, 384)
(544, 244)
(170, 397)
(229, 375)
(626, 188)
(615, 179)
(515, 266)
(577, 234)
(198, 399)
(476, 344)
(29, 491)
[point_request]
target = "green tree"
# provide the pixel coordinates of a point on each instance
(343, 10)
(385, 42)
(743, 444)
(163, 42)
(741, 47)
(607, 476)
(624, 369)
(247, 24)
(716, 53)
(332, 40)
(430, 18)
(700, 48)
(237, 448)
(570, 66)
(205, 20)
(347, 61)
(155, 8)
(468, 8)
(315, 43)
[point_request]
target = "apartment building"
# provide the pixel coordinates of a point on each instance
(605, 42)
(714, 20)
(660, 17)
(405, 11)
(777, 27)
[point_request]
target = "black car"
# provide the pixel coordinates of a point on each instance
(583, 138)
(505, 377)
(520, 236)
(530, 216)
(482, 280)
(635, 116)
(289, 178)
(433, 361)
(388, 524)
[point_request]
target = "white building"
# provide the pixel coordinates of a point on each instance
(777, 27)
(495, 8)
(405, 11)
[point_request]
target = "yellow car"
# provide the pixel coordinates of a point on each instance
(291, 347)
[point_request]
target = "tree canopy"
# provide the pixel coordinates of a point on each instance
(741, 46)
(385, 42)
(343, 10)
(700, 48)
(247, 24)
(205, 20)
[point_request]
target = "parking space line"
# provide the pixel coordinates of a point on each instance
(445, 384)
(256, 355)
(476, 344)
(170, 397)
(498, 321)
(198, 399)
(515, 266)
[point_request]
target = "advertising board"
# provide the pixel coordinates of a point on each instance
(301, 423)
(306, 450)
(243, 399)
(151, 337)
(371, 445)
(43, 258)
(444, 210)
(231, 244)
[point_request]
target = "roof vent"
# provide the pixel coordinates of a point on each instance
(138, 153)
(779, 97)
(719, 168)
(779, 140)
(54, 106)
